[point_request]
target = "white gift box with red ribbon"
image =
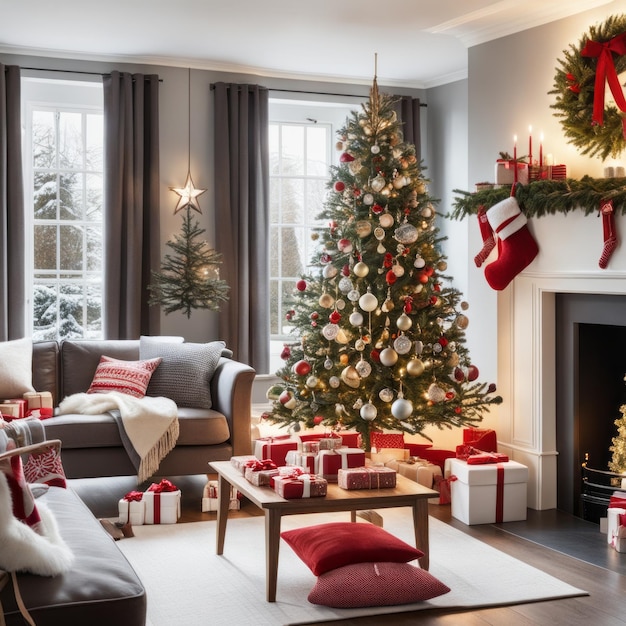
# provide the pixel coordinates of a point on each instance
(132, 509)
(162, 503)
(490, 493)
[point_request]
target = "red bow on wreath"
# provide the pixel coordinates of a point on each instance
(605, 71)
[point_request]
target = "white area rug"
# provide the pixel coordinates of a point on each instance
(188, 584)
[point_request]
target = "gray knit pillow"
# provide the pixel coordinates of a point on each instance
(185, 372)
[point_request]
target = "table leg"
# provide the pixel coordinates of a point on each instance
(420, 522)
(272, 544)
(223, 497)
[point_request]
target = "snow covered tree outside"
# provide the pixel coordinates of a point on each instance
(378, 331)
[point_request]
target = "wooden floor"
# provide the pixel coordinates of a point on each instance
(606, 583)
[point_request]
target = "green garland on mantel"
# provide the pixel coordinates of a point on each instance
(547, 197)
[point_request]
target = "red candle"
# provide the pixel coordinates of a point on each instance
(541, 150)
(515, 157)
(530, 146)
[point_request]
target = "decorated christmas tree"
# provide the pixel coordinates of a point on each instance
(189, 276)
(380, 333)
(618, 463)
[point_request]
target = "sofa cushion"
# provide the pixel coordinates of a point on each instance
(101, 587)
(129, 377)
(16, 372)
(185, 372)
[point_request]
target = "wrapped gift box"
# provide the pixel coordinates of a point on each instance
(303, 486)
(38, 400)
(481, 438)
(274, 448)
(367, 478)
(132, 509)
(418, 470)
(331, 461)
(306, 460)
(239, 462)
(348, 439)
(260, 477)
(386, 440)
(487, 494)
(15, 408)
(162, 503)
(210, 500)
(383, 456)
(613, 522)
(505, 172)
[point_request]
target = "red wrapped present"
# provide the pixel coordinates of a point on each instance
(331, 461)
(386, 440)
(481, 438)
(505, 172)
(274, 448)
(442, 485)
(483, 458)
(162, 503)
(259, 473)
(303, 486)
(367, 478)
(617, 500)
(349, 439)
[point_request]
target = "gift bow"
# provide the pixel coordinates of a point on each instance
(606, 72)
(294, 472)
(133, 496)
(162, 487)
(257, 466)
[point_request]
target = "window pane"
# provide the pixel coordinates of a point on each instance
(71, 246)
(70, 140)
(274, 307)
(93, 208)
(94, 249)
(292, 147)
(273, 148)
(292, 252)
(287, 289)
(274, 257)
(71, 196)
(315, 194)
(317, 150)
(45, 247)
(94, 142)
(44, 139)
(45, 195)
(274, 204)
(292, 201)
(71, 306)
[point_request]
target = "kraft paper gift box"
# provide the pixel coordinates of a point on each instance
(132, 508)
(162, 503)
(420, 471)
(38, 400)
(367, 478)
(14, 408)
(302, 486)
(331, 461)
(505, 172)
(274, 448)
(489, 493)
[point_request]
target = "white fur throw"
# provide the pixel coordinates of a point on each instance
(22, 549)
(149, 423)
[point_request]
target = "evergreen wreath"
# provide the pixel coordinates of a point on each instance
(602, 134)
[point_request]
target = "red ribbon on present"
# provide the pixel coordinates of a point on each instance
(256, 466)
(164, 485)
(133, 496)
(606, 72)
(500, 493)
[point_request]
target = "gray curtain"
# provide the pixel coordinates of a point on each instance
(12, 247)
(408, 110)
(131, 203)
(242, 218)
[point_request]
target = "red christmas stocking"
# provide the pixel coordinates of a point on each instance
(489, 243)
(516, 246)
(610, 237)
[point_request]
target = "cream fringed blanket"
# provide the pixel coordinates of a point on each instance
(148, 426)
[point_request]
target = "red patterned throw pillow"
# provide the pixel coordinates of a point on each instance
(130, 377)
(328, 546)
(45, 466)
(375, 584)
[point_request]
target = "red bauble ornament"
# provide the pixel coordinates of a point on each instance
(345, 270)
(443, 342)
(459, 374)
(422, 277)
(334, 317)
(375, 354)
(388, 262)
(472, 373)
(491, 388)
(429, 270)
(318, 419)
(458, 410)
(301, 368)
(346, 157)
(315, 315)
(377, 209)
(340, 186)
(301, 285)
(391, 277)
(286, 353)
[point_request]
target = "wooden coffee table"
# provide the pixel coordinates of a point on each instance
(406, 493)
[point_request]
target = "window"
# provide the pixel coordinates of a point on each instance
(302, 138)
(63, 177)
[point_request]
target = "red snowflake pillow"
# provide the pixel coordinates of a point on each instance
(45, 466)
(130, 377)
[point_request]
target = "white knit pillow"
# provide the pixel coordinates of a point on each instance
(16, 368)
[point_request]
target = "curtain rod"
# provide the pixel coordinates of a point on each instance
(45, 69)
(318, 93)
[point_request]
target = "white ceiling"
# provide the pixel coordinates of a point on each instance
(418, 43)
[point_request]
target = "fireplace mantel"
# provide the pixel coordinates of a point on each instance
(527, 366)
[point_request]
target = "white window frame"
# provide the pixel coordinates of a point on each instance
(49, 94)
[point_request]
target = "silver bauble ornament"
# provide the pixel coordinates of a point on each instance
(404, 322)
(378, 183)
(345, 285)
(406, 233)
(312, 382)
(386, 394)
(368, 302)
(401, 409)
(386, 220)
(330, 331)
(419, 262)
(435, 393)
(334, 382)
(402, 344)
(363, 368)
(389, 357)
(353, 295)
(356, 318)
(368, 412)
(368, 199)
(330, 271)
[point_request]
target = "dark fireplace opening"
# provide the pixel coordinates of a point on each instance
(590, 388)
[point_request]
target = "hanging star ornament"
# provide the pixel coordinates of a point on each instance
(188, 195)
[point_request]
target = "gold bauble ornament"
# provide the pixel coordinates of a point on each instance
(415, 367)
(351, 377)
(361, 269)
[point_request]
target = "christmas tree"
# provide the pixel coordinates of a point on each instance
(618, 463)
(380, 335)
(189, 278)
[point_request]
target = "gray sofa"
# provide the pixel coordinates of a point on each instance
(91, 444)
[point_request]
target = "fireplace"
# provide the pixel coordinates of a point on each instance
(590, 388)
